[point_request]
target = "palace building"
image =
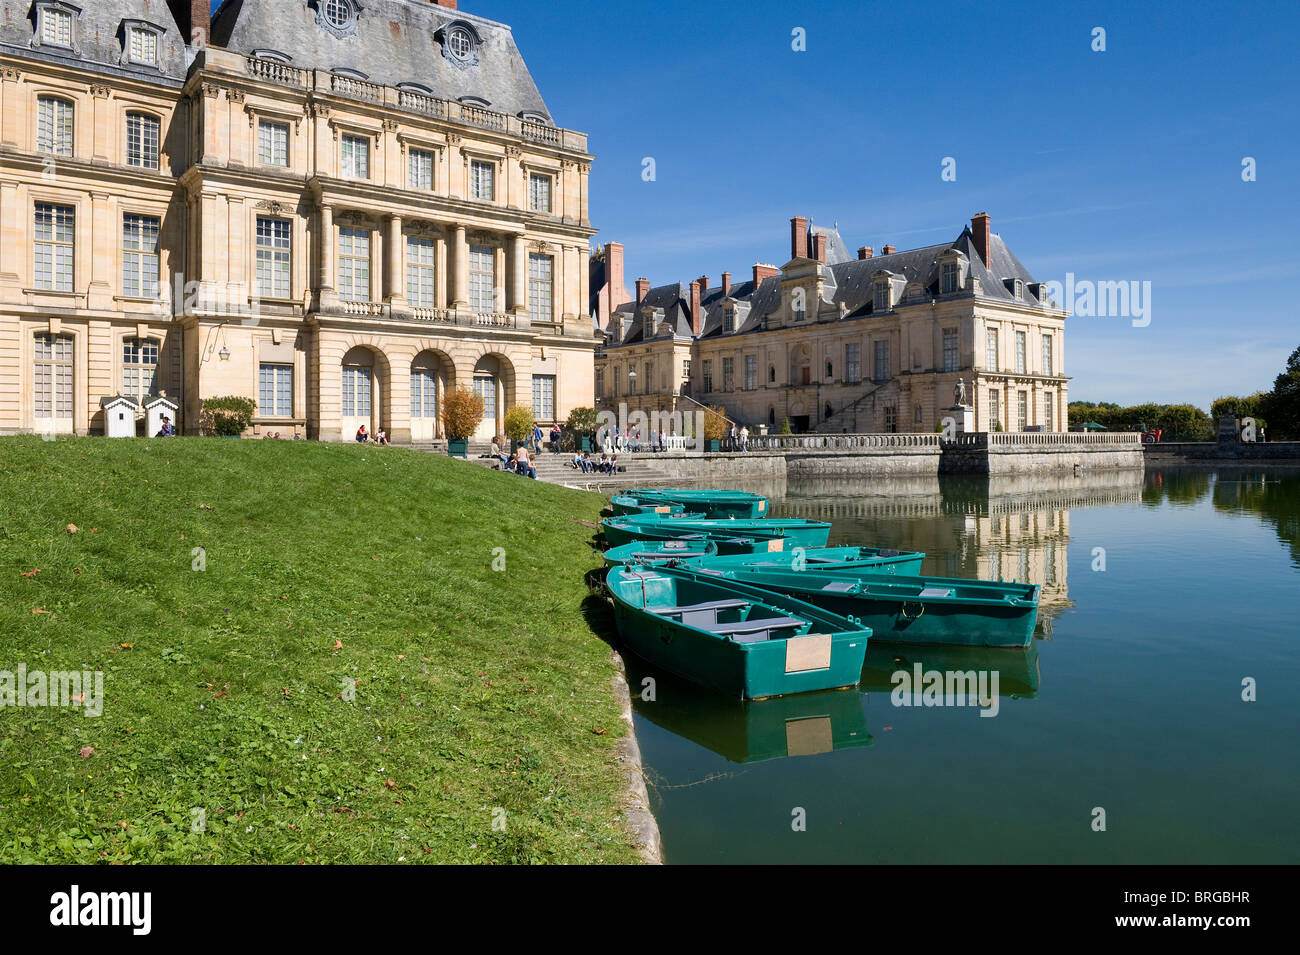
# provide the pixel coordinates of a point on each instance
(340, 208)
(876, 342)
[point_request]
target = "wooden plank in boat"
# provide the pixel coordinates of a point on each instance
(811, 652)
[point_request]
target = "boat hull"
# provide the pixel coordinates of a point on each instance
(796, 531)
(877, 560)
(653, 552)
(716, 504)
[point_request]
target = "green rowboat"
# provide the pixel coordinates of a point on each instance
(877, 560)
(716, 504)
(797, 531)
(619, 533)
(737, 639)
(653, 552)
(944, 611)
(626, 504)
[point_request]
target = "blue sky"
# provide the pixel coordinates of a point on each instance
(1116, 165)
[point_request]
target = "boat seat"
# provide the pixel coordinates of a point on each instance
(936, 592)
(754, 631)
(702, 614)
(840, 586)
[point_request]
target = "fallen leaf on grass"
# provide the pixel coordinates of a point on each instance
(39, 610)
(338, 644)
(33, 572)
(71, 528)
(86, 751)
(221, 694)
(126, 646)
(600, 732)
(390, 784)
(205, 507)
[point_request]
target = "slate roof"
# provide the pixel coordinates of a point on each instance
(393, 42)
(98, 35)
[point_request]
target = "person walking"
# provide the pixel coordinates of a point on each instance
(731, 442)
(744, 438)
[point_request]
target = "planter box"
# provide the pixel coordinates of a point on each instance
(586, 444)
(458, 447)
(715, 444)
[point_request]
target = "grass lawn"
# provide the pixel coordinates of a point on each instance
(481, 696)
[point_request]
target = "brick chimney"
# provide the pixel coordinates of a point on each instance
(642, 289)
(762, 272)
(191, 15)
(726, 284)
(697, 315)
(798, 238)
(449, 4)
(888, 250)
(979, 227)
(704, 285)
(819, 246)
(866, 252)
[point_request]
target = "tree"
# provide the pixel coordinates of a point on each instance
(785, 426)
(1281, 406)
(462, 410)
(226, 416)
(715, 423)
(518, 422)
(582, 420)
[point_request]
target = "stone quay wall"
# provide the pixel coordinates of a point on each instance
(1223, 453)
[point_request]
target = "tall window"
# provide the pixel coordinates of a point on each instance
(143, 46)
(991, 359)
(728, 320)
(139, 367)
(56, 27)
(482, 180)
(751, 372)
(544, 397)
(600, 382)
(728, 374)
(486, 388)
(852, 363)
(631, 379)
(140, 255)
(56, 228)
(424, 393)
(1047, 411)
(355, 156)
(273, 254)
(949, 282)
(706, 375)
(54, 126)
(994, 416)
(354, 265)
(419, 169)
(1020, 353)
(482, 279)
(420, 266)
(53, 376)
(1022, 410)
(142, 136)
(275, 390)
(540, 308)
(951, 359)
(648, 385)
(880, 371)
(356, 392)
(272, 143)
(539, 192)
(1047, 355)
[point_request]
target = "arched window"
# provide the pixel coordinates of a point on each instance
(358, 378)
(139, 368)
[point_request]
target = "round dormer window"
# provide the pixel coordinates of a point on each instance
(460, 43)
(338, 13)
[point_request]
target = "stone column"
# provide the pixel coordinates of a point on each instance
(326, 243)
(440, 280)
(460, 285)
(518, 298)
(378, 257)
(499, 279)
(13, 116)
(396, 288)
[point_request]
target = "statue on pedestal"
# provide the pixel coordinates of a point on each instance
(959, 393)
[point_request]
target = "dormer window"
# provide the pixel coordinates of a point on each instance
(338, 17)
(949, 282)
(953, 266)
(648, 325)
(884, 296)
(142, 46)
(55, 25)
(459, 43)
(729, 319)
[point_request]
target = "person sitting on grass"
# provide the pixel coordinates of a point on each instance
(524, 465)
(362, 435)
(381, 436)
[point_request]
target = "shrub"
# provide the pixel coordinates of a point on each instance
(228, 415)
(462, 410)
(582, 420)
(518, 423)
(785, 426)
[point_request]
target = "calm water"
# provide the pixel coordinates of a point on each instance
(1129, 700)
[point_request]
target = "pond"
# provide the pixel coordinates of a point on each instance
(1166, 598)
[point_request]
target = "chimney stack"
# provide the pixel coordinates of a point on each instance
(888, 250)
(449, 4)
(614, 267)
(762, 272)
(866, 252)
(726, 284)
(819, 246)
(704, 285)
(979, 227)
(191, 16)
(798, 238)
(642, 289)
(697, 315)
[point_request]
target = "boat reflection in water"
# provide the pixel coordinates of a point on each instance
(806, 724)
(748, 731)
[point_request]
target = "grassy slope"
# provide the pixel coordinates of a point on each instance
(478, 689)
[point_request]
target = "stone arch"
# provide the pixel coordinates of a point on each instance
(494, 377)
(432, 375)
(365, 388)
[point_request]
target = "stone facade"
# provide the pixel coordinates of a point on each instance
(228, 208)
(876, 343)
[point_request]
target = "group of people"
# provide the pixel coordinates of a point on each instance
(617, 440)
(738, 440)
(364, 436)
(277, 436)
(584, 462)
(517, 462)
